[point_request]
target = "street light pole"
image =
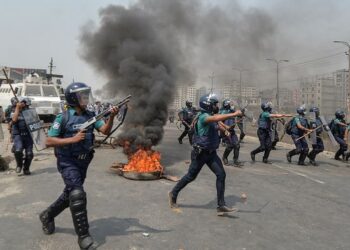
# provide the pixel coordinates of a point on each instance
(240, 83)
(278, 87)
(212, 82)
(347, 94)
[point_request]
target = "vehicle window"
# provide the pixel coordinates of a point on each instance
(32, 91)
(49, 91)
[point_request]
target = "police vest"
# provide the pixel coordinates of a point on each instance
(264, 123)
(188, 114)
(315, 124)
(295, 129)
(72, 127)
(20, 127)
(231, 121)
(209, 141)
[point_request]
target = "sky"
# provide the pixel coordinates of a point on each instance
(34, 31)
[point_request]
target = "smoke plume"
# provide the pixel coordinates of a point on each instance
(149, 47)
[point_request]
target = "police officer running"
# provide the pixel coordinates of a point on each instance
(317, 147)
(299, 128)
(230, 139)
(205, 142)
(74, 154)
(186, 116)
(22, 140)
(338, 128)
(264, 131)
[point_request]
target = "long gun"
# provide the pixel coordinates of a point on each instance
(9, 83)
(98, 117)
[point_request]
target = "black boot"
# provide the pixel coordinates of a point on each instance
(225, 209)
(19, 161)
(225, 155)
(290, 154)
(302, 158)
(337, 154)
(237, 163)
(347, 156)
(27, 161)
(77, 204)
(252, 156)
(47, 217)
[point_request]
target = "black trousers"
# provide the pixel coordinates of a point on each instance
(214, 163)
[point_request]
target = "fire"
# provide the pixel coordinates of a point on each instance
(144, 161)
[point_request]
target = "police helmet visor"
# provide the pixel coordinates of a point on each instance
(84, 97)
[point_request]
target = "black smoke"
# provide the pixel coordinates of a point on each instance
(149, 47)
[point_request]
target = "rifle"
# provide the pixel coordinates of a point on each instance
(98, 117)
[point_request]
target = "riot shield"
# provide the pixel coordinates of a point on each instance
(328, 130)
(273, 130)
(313, 135)
(35, 128)
(1, 133)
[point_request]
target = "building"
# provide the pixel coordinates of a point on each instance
(324, 92)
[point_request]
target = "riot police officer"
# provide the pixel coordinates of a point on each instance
(240, 125)
(264, 131)
(186, 116)
(300, 126)
(73, 149)
(205, 142)
(338, 129)
(317, 146)
(231, 139)
(22, 140)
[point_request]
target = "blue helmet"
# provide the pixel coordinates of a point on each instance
(226, 104)
(266, 106)
(77, 94)
(13, 101)
(208, 102)
(316, 110)
(25, 100)
(301, 110)
(340, 114)
(188, 104)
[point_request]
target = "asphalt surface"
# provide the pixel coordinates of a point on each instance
(288, 206)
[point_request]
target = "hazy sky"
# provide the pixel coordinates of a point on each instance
(33, 31)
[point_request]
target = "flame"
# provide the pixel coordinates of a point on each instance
(144, 161)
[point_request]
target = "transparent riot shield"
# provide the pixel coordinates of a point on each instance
(35, 128)
(313, 135)
(273, 130)
(328, 130)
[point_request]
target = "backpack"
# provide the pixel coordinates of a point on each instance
(288, 127)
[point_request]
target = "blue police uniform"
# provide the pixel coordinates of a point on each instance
(188, 115)
(231, 141)
(319, 146)
(73, 160)
(205, 142)
(264, 135)
(22, 141)
(302, 148)
(339, 133)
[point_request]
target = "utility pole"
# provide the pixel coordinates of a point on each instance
(212, 82)
(240, 83)
(348, 85)
(278, 87)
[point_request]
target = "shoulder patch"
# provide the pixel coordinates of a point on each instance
(56, 125)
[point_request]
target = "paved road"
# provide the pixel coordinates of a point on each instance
(288, 206)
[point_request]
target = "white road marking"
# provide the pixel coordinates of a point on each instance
(300, 174)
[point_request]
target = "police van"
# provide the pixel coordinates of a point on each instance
(45, 95)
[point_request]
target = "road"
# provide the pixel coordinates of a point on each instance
(288, 206)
